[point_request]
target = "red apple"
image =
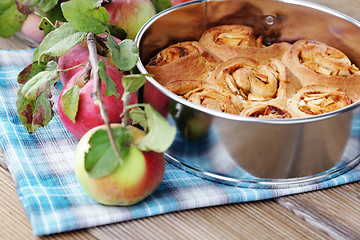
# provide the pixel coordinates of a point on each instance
(88, 115)
(140, 174)
(77, 55)
(156, 98)
(30, 28)
(130, 14)
(176, 2)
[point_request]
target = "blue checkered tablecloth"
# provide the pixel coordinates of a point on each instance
(41, 165)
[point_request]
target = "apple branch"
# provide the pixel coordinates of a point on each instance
(87, 71)
(126, 111)
(96, 94)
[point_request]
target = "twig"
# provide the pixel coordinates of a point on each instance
(96, 94)
(87, 71)
(126, 112)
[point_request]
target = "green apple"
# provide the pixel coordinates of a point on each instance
(138, 176)
(130, 15)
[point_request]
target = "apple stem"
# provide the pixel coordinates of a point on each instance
(96, 94)
(126, 113)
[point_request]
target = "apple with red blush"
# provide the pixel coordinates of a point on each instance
(130, 15)
(30, 28)
(140, 173)
(79, 56)
(88, 113)
(156, 98)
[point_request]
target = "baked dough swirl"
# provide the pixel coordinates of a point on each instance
(204, 95)
(266, 111)
(230, 70)
(314, 62)
(245, 77)
(253, 82)
(318, 99)
(186, 60)
(231, 41)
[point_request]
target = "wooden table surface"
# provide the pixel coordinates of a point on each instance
(325, 214)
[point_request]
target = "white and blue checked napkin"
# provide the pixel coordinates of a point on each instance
(41, 165)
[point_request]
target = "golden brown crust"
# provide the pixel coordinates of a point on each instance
(266, 111)
(314, 62)
(208, 97)
(230, 70)
(181, 87)
(204, 95)
(253, 82)
(313, 100)
(231, 41)
(185, 60)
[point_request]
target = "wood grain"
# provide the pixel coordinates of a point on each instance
(326, 214)
(334, 211)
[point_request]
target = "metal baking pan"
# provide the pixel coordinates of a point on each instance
(252, 152)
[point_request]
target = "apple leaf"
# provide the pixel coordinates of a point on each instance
(161, 5)
(86, 16)
(110, 84)
(129, 54)
(59, 41)
(133, 82)
(115, 50)
(27, 6)
(34, 113)
(5, 5)
(160, 135)
(10, 18)
(117, 31)
(30, 71)
(124, 54)
(101, 160)
(137, 116)
(52, 15)
(41, 82)
(70, 102)
(47, 5)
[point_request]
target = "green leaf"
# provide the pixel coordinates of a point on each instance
(34, 113)
(10, 18)
(110, 84)
(101, 160)
(161, 5)
(5, 4)
(30, 71)
(52, 15)
(115, 50)
(138, 116)
(41, 82)
(133, 82)
(85, 16)
(117, 31)
(47, 5)
(161, 134)
(60, 41)
(27, 6)
(45, 24)
(124, 54)
(70, 102)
